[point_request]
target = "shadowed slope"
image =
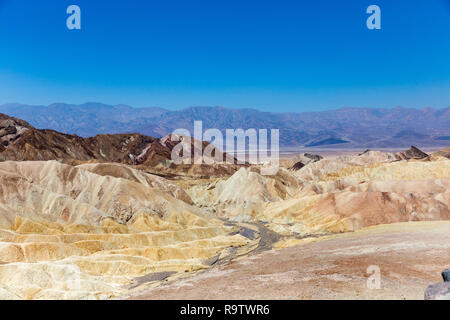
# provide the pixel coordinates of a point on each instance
(19, 141)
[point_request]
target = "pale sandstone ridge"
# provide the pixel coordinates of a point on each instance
(149, 180)
(315, 170)
(343, 194)
(86, 231)
(357, 195)
(242, 193)
(442, 153)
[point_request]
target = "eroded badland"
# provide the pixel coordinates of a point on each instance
(111, 217)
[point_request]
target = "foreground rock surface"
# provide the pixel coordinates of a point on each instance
(409, 255)
(439, 291)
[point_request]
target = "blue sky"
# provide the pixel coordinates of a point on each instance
(270, 55)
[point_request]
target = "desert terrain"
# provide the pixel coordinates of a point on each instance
(112, 217)
(410, 257)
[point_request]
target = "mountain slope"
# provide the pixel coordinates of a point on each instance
(88, 119)
(346, 127)
(20, 141)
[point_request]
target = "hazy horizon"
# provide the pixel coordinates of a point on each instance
(305, 110)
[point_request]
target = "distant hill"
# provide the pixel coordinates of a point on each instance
(347, 127)
(21, 141)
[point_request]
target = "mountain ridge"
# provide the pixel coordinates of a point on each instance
(344, 127)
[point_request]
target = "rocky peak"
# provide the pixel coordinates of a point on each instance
(304, 159)
(11, 129)
(411, 153)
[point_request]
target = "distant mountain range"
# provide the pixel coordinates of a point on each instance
(347, 127)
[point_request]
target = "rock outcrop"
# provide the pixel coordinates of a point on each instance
(343, 194)
(411, 153)
(439, 291)
(19, 141)
(10, 130)
(446, 275)
(303, 159)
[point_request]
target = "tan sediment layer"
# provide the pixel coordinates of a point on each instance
(409, 255)
(85, 232)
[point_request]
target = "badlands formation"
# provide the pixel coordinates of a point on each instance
(89, 231)
(112, 217)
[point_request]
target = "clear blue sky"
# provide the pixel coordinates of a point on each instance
(272, 55)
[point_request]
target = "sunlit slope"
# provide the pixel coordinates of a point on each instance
(84, 232)
(335, 195)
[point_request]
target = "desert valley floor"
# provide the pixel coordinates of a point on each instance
(110, 217)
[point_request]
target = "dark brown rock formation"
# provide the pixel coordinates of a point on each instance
(19, 141)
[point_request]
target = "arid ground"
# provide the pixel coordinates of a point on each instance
(410, 257)
(113, 217)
